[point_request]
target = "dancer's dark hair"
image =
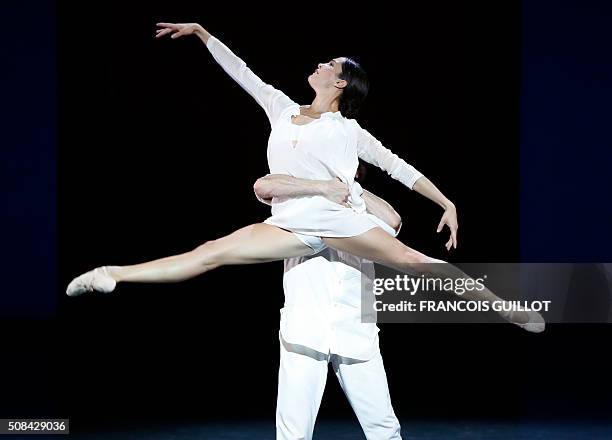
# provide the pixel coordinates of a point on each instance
(356, 89)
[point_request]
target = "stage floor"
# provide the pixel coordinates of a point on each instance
(350, 430)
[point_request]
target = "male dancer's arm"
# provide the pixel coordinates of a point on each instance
(382, 209)
(283, 186)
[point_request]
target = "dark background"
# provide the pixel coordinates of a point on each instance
(502, 107)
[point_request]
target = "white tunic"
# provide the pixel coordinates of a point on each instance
(324, 149)
(323, 303)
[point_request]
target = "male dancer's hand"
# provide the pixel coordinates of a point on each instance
(337, 191)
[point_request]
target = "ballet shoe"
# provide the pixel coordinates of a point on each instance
(536, 323)
(97, 279)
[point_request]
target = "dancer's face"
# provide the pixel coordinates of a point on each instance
(327, 75)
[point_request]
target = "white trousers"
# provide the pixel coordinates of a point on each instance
(301, 380)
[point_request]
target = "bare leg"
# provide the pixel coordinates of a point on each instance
(378, 246)
(257, 243)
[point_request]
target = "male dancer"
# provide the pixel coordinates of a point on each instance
(321, 323)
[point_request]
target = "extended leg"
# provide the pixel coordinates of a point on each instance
(380, 247)
(258, 243)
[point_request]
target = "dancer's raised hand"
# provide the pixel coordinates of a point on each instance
(449, 218)
(177, 29)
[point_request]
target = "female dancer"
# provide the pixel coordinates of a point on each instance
(319, 142)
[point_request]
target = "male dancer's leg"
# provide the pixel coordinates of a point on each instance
(365, 386)
(301, 381)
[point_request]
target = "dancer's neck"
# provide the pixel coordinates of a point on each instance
(323, 104)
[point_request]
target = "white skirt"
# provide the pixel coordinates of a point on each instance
(321, 217)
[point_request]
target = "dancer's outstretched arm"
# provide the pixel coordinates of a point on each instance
(272, 100)
(372, 151)
(425, 187)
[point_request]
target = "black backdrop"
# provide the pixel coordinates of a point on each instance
(158, 150)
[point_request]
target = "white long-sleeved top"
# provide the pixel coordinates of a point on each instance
(322, 309)
(326, 148)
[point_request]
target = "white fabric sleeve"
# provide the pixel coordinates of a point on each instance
(372, 151)
(273, 101)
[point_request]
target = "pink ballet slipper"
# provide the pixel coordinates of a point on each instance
(97, 279)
